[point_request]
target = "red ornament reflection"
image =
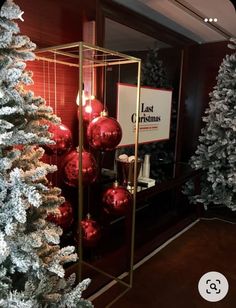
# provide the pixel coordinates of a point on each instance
(104, 133)
(117, 200)
(71, 168)
(63, 216)
(91, 109)
(91, 232)
(61, 136)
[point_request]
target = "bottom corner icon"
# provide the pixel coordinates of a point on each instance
(213, 286)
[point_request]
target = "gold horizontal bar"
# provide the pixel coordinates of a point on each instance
(89, 46)
(119, 62)
(112, 52)
(106, 274)
(71, 55)
(112, 59)
(53, 48)
(67, 54)
(56, 61)
(77, 65)
(105, 61)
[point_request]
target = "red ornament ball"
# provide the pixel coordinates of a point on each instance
(104, 133)
(63, 216)
(71, 168)
(19, 147)
(61, 136)
(117, 200)
(91, 109)
(91, 232)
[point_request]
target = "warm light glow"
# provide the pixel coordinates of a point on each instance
(215, 19)
(206, 19)
(210, 19)
(83, 98)
(88, 109)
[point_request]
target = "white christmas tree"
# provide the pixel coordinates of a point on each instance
(31, 261)
(216, 152)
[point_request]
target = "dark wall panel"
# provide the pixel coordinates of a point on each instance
(203, 65)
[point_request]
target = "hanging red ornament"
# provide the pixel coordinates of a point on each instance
(19, 147)
(61, 136)
(91, 109)
(63, 216)
(117, 200)
(91, 232)
(104, 133)
(71, 168)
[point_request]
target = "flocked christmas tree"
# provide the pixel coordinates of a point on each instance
(216, 152)
(31, 260)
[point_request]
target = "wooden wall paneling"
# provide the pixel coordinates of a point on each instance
(51, 22)
(58, 85)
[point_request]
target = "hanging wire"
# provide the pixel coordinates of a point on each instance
(55, 102)
(91, 91)
(117, 150)
(49, 103)
(44, 81)
(92, 81)
(105, 82)
(55, 82)
(49, 84)
(90, 100)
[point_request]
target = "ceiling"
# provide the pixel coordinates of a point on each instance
(121, 38)
(183, 16)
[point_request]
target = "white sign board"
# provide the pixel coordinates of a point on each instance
(155, 113)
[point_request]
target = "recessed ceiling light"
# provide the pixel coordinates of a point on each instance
(215, 19)
(210, 19)
(206, 19)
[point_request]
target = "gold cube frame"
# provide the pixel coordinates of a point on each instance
(83, 55)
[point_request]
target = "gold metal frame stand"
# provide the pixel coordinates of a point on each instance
(82, 55)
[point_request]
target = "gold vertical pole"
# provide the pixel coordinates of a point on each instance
(80, 190)
(176, 156)
(135, 173)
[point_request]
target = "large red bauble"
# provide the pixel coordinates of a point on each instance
(71, 168)
(117, 200)
(91, 232)
(63, 217)
(91, 109)
(104, 133)
(61, 136)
